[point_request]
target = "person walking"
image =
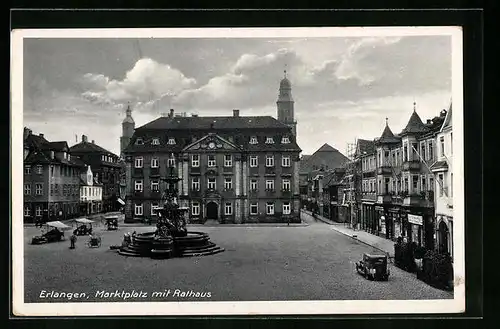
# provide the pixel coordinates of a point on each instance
(72, 239)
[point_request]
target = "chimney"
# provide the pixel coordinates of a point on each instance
(429, 121)
(84, 139)
(41, 135)
(93, 141)
(236, 113)
(171, 115)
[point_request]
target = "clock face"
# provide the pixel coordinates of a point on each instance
(211, 145)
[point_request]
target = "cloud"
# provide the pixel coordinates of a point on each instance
(147, 81)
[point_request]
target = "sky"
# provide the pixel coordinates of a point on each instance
(344, 87)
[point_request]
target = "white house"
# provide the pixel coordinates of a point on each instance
(443, 199)
(90, 193)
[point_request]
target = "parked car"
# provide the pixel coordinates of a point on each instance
(373, 267)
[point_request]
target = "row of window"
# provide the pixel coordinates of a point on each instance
(419, 182)
(66, 189)
(212, 162)
(269, 140)
(228, 208)
(71, 209)
(396, 157)
(253, 140)
(212, 184)
(38, 169)
(107, 158)
(38, 189)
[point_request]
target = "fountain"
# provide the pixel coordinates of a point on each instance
(171, 237)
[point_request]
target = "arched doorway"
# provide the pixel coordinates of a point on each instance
(443, 237)
(212, 210)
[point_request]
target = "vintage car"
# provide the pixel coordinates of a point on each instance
(55, 233)
(373, 267)
(83, 230)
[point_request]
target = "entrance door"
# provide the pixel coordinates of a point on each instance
(212, 211)
(443, 237)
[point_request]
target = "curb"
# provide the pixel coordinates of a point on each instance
(391, 259)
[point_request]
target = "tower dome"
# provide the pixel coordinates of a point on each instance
(285, 83)
(128, 117)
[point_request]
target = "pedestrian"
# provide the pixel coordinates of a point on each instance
(72, 239)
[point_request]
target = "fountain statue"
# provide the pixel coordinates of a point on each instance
(171, 237)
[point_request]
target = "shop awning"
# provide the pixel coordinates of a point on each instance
(58, 224)
(84, 220)
(121, 201)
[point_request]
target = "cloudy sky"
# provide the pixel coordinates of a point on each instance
(343, 87)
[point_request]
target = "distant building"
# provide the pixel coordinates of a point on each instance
(314, 166)
(90, 193)
(51, 179)
(106, 169)
(234, 169)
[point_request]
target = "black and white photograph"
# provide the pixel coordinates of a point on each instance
(237, 171)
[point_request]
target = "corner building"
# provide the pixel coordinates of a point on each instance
(234, 169)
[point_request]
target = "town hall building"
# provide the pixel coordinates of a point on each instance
(234, 169)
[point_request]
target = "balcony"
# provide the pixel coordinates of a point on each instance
(384, 170)
(413, 165)
(227, 170)
(154, 172)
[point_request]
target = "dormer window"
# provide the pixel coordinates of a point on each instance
(69, 157)
(171, 141)
(156, 141)
(269, 140)
(285, 140)
(253, 140)
(139, 141)
(64, 155)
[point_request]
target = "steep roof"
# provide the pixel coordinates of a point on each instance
(56, 146)
(326, 148)
(326, 156)
(387, 136)
(447, 120)
(86, 147)
(365, 147)
(36, 141)
(228, 122)
(414, 125)
(38, 157)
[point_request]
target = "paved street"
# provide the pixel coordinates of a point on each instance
(310, 262)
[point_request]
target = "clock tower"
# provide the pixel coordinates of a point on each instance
(285, 104)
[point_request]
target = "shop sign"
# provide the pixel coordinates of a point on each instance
(415, 219)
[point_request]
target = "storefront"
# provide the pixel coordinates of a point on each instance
(415, 229)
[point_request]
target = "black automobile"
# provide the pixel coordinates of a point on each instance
(373, 267)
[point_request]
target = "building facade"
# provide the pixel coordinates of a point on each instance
(234, 169)
(443, 170)
(397, 184)
(90, 193)
(106, 168)
(51, 180)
